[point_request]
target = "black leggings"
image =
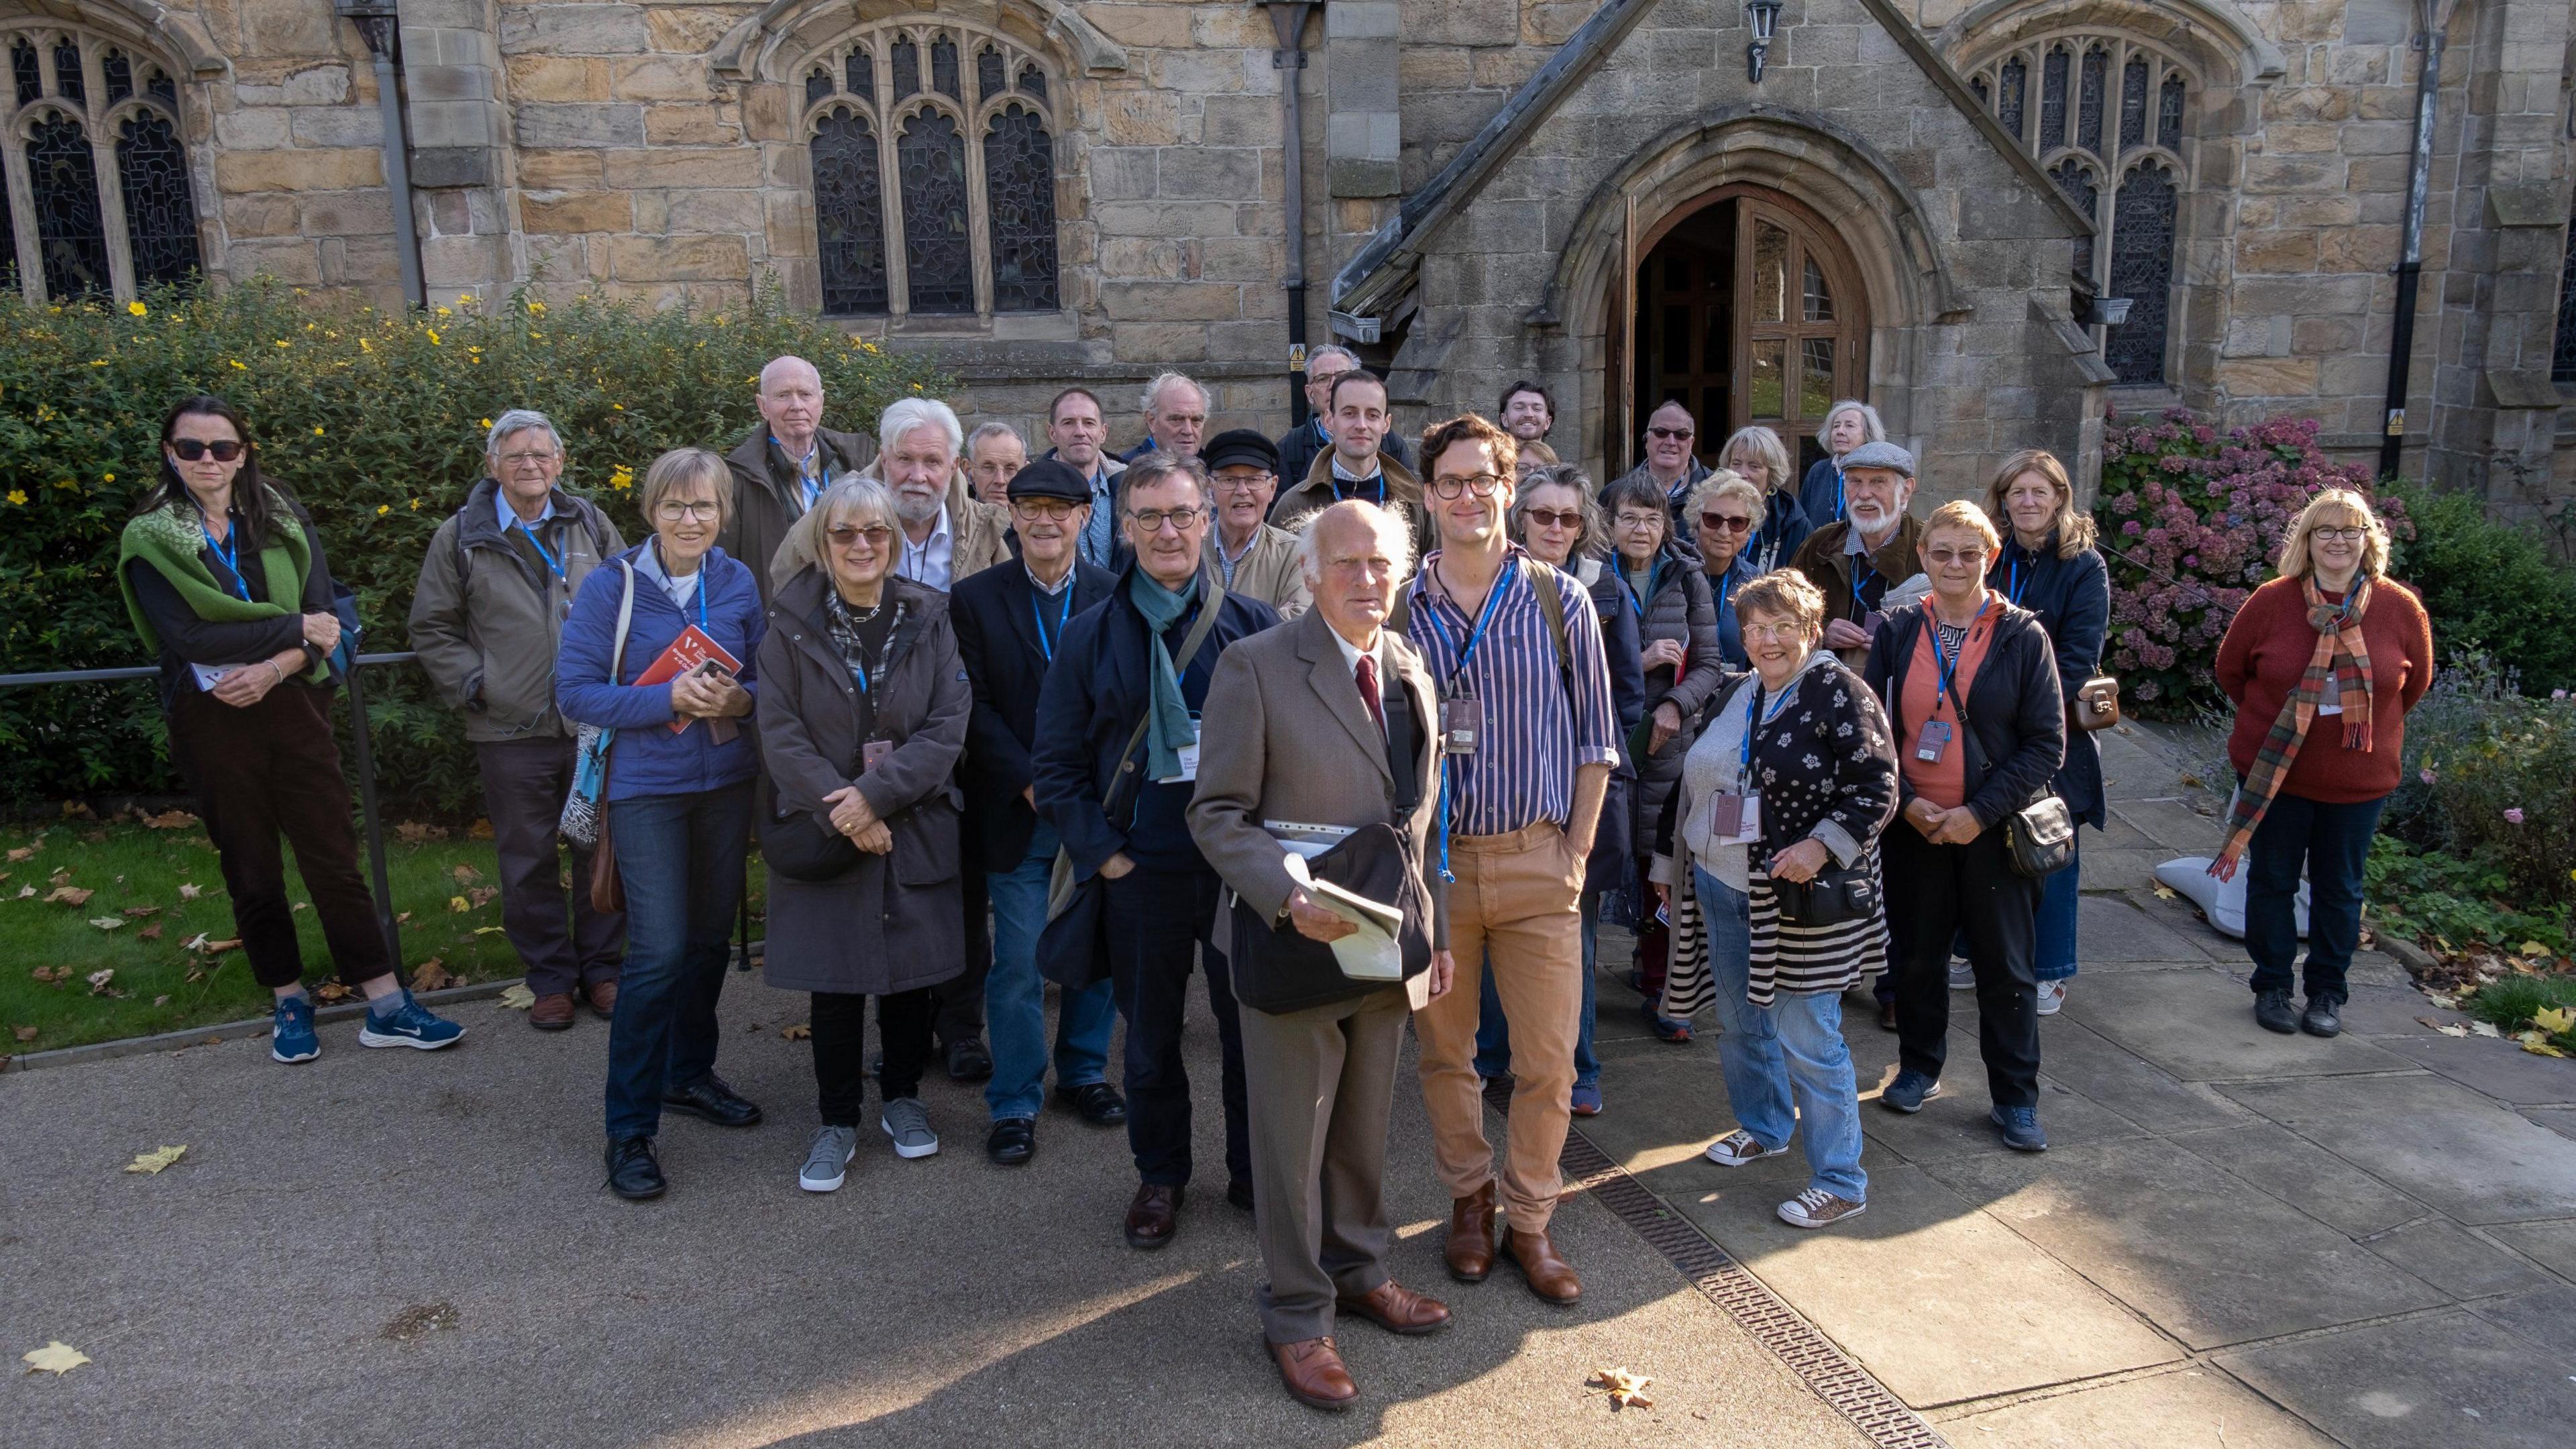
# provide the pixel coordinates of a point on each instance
(840, 1023)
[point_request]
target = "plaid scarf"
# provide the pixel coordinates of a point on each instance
(2341, 662)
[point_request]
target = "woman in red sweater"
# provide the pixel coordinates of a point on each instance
(2323, 664)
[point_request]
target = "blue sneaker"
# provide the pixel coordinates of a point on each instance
(1909, 1092)
(290, 1032)
(2020, 1126)
(411, 1025)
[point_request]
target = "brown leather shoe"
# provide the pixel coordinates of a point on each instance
(1549, 1276)
(553, 1011)
(1152, 1215)
(603, 998)
(1471, 1235)
(1312, 1369)
(1397, 1309)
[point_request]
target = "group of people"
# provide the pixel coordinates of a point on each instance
(1107, 721)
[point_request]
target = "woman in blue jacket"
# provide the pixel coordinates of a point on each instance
(678, 797)
(2048, 565)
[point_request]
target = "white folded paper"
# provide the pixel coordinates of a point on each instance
(1369, 953)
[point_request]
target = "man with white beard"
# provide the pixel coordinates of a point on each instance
(1856, 562)
(948, 533)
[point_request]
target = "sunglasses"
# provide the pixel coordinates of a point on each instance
(1549, 518)
(1671, 434)
(845, 534)
(1721, 523)
(191, 450)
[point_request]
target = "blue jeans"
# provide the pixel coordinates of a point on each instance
(1015, 996)
(1494, 1033)
(2333, 842)
(1790, 1050)
(2059, 896)
(680, 859)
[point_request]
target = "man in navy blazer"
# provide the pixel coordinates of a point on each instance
(1010, 621)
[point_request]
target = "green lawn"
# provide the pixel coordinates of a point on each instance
(138, 876)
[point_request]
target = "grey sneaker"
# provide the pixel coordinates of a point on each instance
(2052, 997)
(1963, 976)
(909, 1125)
(827, 1159)
(1817, 1208)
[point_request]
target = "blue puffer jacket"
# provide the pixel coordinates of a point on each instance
(648, 759)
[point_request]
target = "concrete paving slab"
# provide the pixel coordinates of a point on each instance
(2552, 1245)
(2447, 1379)
(1940, 1301)
(2104, 1071)
(2112, 928)
(2436, 1140)
(2308, 1177)
(2501, 1069)
(2200, 1028)
(2124, 870)
(2561, 1120)
(2545, 1317)
(2376, 1011)
(2187, 1408)
(2183, 1243)
(1955, 1124)
(2455, 1260)
(2173, 824)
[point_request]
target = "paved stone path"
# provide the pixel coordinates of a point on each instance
(2239, 1240)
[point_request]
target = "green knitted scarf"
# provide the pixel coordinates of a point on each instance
(170, 539)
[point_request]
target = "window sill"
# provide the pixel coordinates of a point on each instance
(1057, 326)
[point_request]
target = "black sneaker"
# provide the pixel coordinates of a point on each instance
(1014, 1140)
(1098, 1102)
(968, 1061)
(634, 1173)
(2272, 1011)
(2324, 1016)
(708, 1097)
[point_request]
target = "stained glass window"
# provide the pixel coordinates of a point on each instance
(907, 68)
(989, 74)
(2169, 113)
(2052, 98)
(2142, 250)
(9, 253)
(818, 84)
(2133, 103)
(161, 87)
(930, 157)
(2088, 106)
(160, 218)
(1033, 82)
(2012, 94)
(2084, 189)
(71, 230)
(22, 68)
(67, 71)
(861, 70)
(119, 73)
(1019, 177)
(2562, 359)
(849, 214)
(943, 68)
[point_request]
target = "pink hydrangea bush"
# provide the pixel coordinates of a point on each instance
(2191, 521)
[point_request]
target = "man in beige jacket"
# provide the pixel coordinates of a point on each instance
(1255, 558)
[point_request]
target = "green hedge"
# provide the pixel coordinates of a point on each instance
(2492, 588)
(377, 423)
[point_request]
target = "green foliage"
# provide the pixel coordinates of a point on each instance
(2489, 776)
(2453, 904)
(2491, 586)
(2510, 1003)
(376, 422)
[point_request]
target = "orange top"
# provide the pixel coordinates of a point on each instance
(1945, 782)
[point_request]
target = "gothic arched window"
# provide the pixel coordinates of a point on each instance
(2109, 108)
(98, 201)
(2562, 357)
(932, 202)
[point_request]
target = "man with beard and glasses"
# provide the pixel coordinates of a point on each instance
(1873, 549)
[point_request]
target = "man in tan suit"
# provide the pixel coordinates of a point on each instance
(1330, 721)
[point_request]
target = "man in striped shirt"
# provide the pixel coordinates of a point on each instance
(1532, 735)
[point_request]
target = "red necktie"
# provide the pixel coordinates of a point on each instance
(1368, 691)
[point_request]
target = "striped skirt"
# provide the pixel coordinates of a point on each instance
(1785, 957)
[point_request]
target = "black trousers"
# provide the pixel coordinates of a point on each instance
(840, 1026)
(1934, 892)
(960, 999)
(524, 784)
(1154, 918)
(269, 770)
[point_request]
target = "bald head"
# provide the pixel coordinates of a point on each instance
(1355, 555)
(791, 402)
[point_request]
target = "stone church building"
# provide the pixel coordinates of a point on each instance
(1997, 220)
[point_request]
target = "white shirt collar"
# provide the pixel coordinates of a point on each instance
(1042, 586)
(929, 562)
(1351, 653)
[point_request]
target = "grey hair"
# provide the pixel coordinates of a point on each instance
(1329, 349)
(1724, 483)
(1595, 539)
(994, 430)
(1393, 534)
(807, 538)
(1162, 380)
(1766, 448)
(518, 420)
(1157, 465)
(1868, 416)
(909, 413)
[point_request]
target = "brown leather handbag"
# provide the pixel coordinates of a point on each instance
(2096, 705)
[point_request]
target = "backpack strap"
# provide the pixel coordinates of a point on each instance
(1551, 602)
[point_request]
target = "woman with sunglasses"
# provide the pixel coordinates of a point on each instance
(1726, 511)
(678, 797)
(224, 579)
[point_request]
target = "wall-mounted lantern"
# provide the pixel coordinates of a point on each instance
(1763, 16)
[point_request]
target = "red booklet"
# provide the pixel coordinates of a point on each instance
(693, 650)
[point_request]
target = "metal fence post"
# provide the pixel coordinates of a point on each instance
(364, 740)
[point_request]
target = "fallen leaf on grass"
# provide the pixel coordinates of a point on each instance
(149, 933)
(108, 923)
(402, 918)
(2533, 948)
(797, 1031)
(430, 975)
(70, 896)
(24, 892)
(2556, 1020)
(98, 980)
(489, 930)
(139, 910)
(413, 832)
(479, 830)
(1626, 1390)
(51, 973)
(57, 1358)
(170, 820)
(161, 1001)
(21, 853)
(25, 1033)
(189, 892)
(457, 904)
(331, 993)
(465, 874)
(299, 906)
(481, 896)
(62, 875)
(518, 998)
(152, 1162)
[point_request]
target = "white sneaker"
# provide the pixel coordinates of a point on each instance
(1739, 1147)
(2052, 995)
(1963, 977)
(1817, 1208)
(827, 1159)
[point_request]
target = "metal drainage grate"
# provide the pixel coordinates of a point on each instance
(1822, 1367)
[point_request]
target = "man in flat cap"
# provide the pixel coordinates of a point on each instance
(1872, 549)
(1256, 558)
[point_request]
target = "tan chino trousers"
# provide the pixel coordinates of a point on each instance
(1515, 900)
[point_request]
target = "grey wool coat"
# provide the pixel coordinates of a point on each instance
(1679, 607)
(895, 921)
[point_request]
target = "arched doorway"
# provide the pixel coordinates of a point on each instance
(1746, 309)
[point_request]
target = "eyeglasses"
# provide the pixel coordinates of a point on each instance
(1053, 510)
(1784, 630)
(1725, 523)
(1550, 518)
(1641, 520)
(1182, 520)
(845, 534)
(2321, 535)
(1947, 557)
(674, 512)
(1672, 435)
(192, 449)
(1246, 483)
(1480, 484)
(511, 462)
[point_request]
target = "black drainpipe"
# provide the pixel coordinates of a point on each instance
(1288, 18)
(2435, 16)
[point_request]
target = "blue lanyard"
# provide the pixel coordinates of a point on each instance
(2020, 581)
(1492, 597)
(1838, 491)
(530, 530)
(1063, 616)
(228, 548)
(1744, 753)
(1949, 666)
(1864, 573)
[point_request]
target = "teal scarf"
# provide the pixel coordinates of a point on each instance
(1167, 715)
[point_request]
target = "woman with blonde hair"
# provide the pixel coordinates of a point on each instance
(2322, 663)
(1723, 513)
(1757, 455)
(2048, 565)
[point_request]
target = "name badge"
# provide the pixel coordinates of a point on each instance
(1734, 819)
(2335, 707)
(1189, 753)
(1869, 622)
(873, 753)
(1461, 722)
(1934, 739)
